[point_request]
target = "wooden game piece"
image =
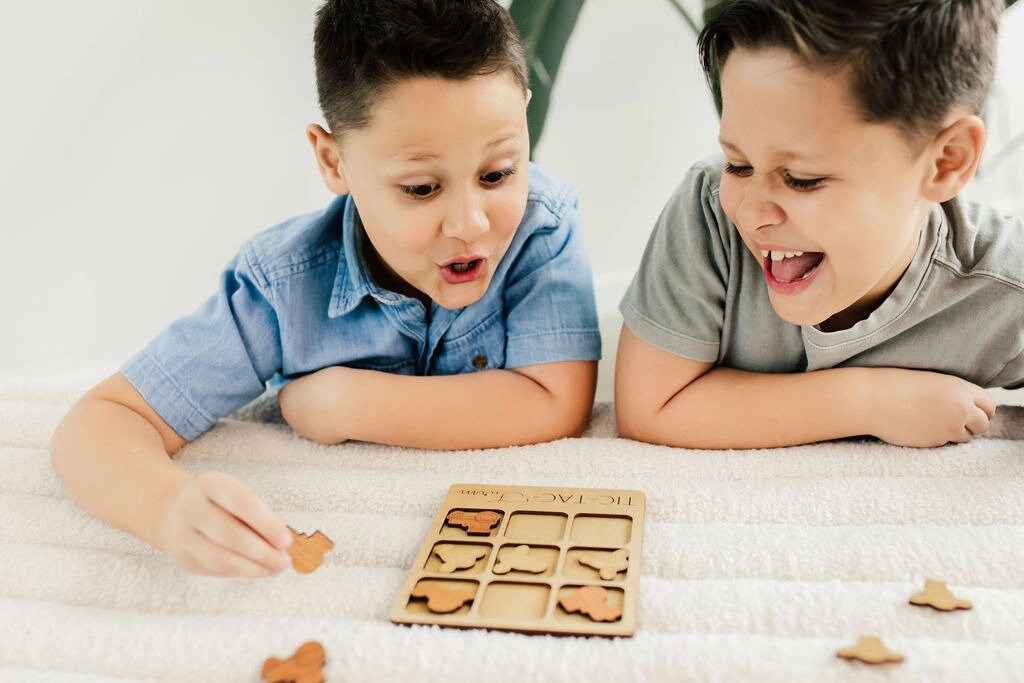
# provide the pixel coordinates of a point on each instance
(936, 595)
(305, 666)
(869, 649)
(529, 579)
(458, 556)
(520, 559)
(609, 565)
(592, 601)
(308, 551)
(442, 600)
(474, 522)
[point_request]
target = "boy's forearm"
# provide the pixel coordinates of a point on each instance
(485, 409)
(727, 408)
(114, 464)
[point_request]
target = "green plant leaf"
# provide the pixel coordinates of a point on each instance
(545, 26)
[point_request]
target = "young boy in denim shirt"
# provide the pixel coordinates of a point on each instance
(443, 300)
(825, 280)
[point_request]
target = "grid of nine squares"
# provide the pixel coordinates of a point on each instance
(560, 526)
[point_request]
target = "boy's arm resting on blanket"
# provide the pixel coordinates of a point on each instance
(486, 409)
(667, 399)
(112, 451)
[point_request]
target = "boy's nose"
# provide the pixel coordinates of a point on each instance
(466, 220)
(758, 207)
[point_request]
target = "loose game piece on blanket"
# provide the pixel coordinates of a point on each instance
(936, 595)
(869, 649)
(305, 666)
(308, 551)
(540, 556)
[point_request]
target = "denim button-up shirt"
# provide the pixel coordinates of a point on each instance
(298, 297)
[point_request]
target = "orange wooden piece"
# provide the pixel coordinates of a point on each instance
(308, 551)
(305, 666)
(474, 522)
(592, 601)
(442, 600)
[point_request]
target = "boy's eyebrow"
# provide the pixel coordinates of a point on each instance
(428, 156)
(785, 156)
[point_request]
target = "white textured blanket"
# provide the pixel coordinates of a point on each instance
(757, 565)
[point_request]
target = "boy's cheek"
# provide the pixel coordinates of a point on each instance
(729, 199)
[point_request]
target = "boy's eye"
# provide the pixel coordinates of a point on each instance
(742, 171)
(495, 177)
(420, 191)
(803, 184)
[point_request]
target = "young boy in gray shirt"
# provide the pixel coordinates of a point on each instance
(825, 280)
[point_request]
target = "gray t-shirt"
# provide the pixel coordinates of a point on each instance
(958, 309)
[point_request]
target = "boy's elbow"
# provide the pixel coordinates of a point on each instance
(631, 422)
(307, 424)
(639, 420)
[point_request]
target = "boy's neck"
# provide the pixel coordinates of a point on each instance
(382, 275)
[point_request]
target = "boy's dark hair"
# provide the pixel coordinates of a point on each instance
(910, 61)
(362, 47)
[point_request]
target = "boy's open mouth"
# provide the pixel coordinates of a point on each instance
(786, 267)
(455, 272)
(462, 267)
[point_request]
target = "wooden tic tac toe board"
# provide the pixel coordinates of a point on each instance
(525, 558)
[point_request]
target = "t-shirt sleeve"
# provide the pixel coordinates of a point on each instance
(215, 360)
(1012, 374)
(551, 313)
(677, 298)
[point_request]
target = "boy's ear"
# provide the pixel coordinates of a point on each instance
(328, 158)
(956, 153)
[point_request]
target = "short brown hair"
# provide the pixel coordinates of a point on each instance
(362, 47)
(910, 61)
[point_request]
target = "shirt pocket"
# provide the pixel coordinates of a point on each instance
(482, 348)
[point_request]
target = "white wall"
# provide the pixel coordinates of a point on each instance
(143, 141)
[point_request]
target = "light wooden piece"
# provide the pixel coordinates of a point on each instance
(458, 556)
(871, 650)
(520, 559)
(308, 551)
(591, 601)
(526, 553)
(305, 666)
(609, 564)
(937, 596)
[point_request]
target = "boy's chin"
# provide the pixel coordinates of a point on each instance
(454, 300)
(792, 314)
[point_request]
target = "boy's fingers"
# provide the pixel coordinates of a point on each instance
(978, 423)
(987, 404)
(234, 498)
(229, 533)
(214, 559)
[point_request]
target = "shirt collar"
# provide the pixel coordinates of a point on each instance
(352, 282)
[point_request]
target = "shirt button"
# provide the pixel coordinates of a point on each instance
(479, 361)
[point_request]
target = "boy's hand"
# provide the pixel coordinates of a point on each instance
(921, 408)
(213, 524)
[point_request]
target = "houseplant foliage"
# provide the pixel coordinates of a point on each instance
(545, 26)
